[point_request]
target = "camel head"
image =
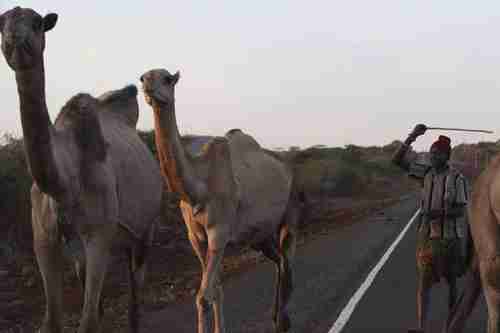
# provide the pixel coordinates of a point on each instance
(159, 86)
(23, 36)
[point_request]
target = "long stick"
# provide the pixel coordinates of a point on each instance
(459, 129)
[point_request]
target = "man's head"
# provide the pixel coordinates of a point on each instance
(440, 152)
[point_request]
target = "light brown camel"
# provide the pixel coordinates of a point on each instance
(233, 192)
(90, 168)
(484, 270)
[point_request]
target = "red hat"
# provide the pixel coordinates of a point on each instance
(442, 144)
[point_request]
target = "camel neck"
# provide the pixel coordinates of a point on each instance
(37, 128)
(175, 163)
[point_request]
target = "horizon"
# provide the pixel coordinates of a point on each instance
(294, 74)
(6, 136)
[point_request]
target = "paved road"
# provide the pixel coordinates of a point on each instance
(389, 304)
(328, 271)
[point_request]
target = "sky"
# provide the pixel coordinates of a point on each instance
(290, 73)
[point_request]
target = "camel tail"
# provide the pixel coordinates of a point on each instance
(297, 192)
(469, 244)
(466, 302)
(294, 214)
(469, 241)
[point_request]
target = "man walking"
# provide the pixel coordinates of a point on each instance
(443, 201)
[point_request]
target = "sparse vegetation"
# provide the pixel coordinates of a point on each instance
(321, 172)
(15, 183)
(348, 171)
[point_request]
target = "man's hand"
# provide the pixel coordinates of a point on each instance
(434, 214)
(418, 131)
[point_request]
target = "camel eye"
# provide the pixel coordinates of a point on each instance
(37, 23)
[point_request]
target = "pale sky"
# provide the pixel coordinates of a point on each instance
(288, 72)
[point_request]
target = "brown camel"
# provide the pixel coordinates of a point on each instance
(232, 192)
(484, 270)
(91, 172)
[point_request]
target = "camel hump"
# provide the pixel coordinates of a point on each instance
(241, 141)
(122, 103)
(221, 179)
(233, 131)
(79, 114)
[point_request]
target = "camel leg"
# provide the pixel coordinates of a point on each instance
(48, 250)
(138, 256)
(200, 248)
(466, 302)
(137, 276)
(285, 291)
(270, 250)
(490, 273)
(287, 252)
(218, 308)
(80, 273)
(209, 292)
(49, 258)
(493, 300)
(97, 250)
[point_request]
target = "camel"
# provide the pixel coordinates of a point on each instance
(231, 192)
(90, 168)
(484, 269)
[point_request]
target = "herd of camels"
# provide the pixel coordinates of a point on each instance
(91, 168)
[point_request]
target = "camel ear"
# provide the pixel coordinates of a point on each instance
(49, 21)
(2, 21)
(177, 76)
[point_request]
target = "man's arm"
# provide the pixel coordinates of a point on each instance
(453, 212)
(458, 209)
(399, 157)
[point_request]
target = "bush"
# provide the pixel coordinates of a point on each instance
(346, 171)
(348, 181)
(15, 184)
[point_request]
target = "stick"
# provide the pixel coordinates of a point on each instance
(459, 129)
